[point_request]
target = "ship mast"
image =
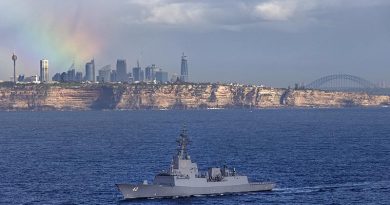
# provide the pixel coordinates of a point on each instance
(183, 142)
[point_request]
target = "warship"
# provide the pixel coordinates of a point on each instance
(183, 179)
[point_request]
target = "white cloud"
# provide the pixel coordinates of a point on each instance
(276, 10)
(166, 12)
(228, 14)
(176, 13)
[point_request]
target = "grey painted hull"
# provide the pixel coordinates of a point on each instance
(159, 191)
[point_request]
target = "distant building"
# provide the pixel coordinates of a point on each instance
(121, 71)
(138, 74)
(79, 77)
(148, 74)
(104, 74)
(142, 76)
(32, 79)
(113, 76)
(130, 77)
(63, 77)
(44, 71)
(184, 69)
(21, 78)
(71, 76)
(56, 77)
(90, 71)
(175, 78)
(161, 76)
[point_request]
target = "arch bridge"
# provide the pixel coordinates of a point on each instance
(341, 82)
(345, 82)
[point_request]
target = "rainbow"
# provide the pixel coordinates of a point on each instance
(44, 34)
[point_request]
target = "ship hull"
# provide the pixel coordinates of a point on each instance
(159, 191)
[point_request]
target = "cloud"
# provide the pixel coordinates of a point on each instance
(176, 13)
(233, 14)
(228, 14)
(275, 10)
(166, 12)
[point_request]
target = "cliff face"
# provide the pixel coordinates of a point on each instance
(189, 96)
(42, 97)
(197, 96)
(315, 98)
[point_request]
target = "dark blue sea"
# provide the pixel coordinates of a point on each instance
(316, 156)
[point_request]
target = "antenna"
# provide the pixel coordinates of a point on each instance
(183, 141)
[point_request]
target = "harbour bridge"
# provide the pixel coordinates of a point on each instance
(345, 82)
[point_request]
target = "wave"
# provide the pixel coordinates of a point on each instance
(331, 187)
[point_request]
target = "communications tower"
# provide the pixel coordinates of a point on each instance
(14, 58)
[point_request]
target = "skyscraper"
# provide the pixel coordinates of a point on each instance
(121, 71)
(142, 76)
(137, 74)
(184, 69)
(44, 71)
(105, 74)
(113, 76)
(90, 71)
(161, 76)
(79, 77)
(71, 75)
(148, 74)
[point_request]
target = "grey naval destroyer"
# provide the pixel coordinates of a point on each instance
(183, 180)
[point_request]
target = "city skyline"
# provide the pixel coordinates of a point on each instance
(148, 74)
(272, 42)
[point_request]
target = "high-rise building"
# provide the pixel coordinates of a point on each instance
(44, 71)
(90, 71)
(130, 77)
(121, 71)
(161, 76)
(71, 75)
(113, 76)
(142, 76)
(148, 74)
(79, 77)
(105, 74)
(136, 74)
(184, 69)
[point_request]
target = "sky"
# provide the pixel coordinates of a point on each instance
(270, 42)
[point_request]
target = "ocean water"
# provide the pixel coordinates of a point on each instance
(316, 156)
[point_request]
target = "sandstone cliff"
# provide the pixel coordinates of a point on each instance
(316, 98)
(173, 96)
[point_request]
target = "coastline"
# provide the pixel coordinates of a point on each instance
(189, 96)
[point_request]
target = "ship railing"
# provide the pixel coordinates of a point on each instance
(260, 183)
